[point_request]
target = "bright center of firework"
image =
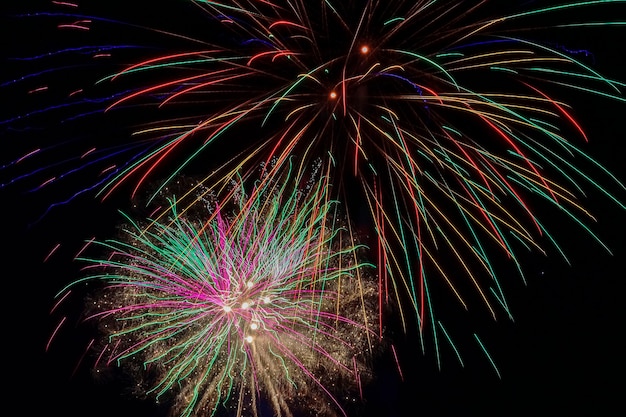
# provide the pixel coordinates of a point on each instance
(227, 309)
(332, 95)
(365, 49)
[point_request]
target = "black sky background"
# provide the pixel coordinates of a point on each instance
(563, 355)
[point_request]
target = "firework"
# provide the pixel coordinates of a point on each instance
(263, 301)
(445, 121)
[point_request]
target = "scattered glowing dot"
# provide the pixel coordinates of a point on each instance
(228, 309)
(245, 305)
(249, 339)
(254, 326)
(332, 95)
(365, 49)
(249, 284)
(266, 300)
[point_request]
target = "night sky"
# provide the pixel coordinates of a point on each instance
(562, 356)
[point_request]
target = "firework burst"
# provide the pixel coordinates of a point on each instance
(260, 302)
(445, 121)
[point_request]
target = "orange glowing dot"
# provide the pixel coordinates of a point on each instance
(333, 95)
(365, 49)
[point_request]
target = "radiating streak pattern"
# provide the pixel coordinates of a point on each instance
(448, 128)
(261, 301)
